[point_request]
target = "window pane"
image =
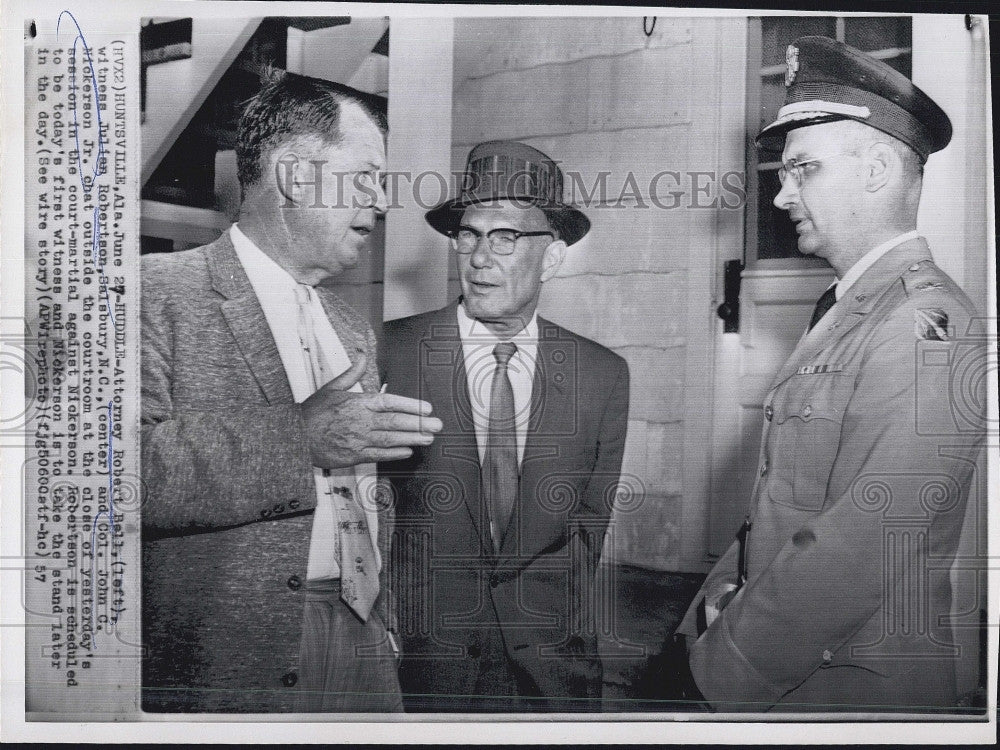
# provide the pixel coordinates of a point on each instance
(776, 235)
(868, 33)
(903, 63)
(777, 32)
(772, 97)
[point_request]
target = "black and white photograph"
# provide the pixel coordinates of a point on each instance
(444, 372)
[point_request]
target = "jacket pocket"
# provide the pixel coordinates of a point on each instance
(804, 441)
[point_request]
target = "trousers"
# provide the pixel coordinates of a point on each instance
(345, 665)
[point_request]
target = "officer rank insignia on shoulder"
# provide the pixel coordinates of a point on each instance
(931, 324)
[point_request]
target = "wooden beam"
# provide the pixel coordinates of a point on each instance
(175, 90)
(182, 223)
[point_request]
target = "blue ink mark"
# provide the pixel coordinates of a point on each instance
(88, 183)
(99, 166)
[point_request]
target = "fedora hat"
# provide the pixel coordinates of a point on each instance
(510, 170)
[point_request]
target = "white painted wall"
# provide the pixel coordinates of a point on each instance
(950, 64)
(420, 105)
(597, 94)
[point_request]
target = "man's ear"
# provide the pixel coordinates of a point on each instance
(882, 162)
(552, 259)
(287, 174)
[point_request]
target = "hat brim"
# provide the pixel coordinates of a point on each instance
(445, 218)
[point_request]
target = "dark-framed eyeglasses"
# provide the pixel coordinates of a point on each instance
(502, 240)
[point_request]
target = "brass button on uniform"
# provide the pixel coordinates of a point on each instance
(827, 656)
(768, 412)
(763, 468)
(294, 583)
(807, 411)
(289, 679)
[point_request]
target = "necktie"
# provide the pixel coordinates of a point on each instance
(358, 568)
(828, 300)
(500, 475)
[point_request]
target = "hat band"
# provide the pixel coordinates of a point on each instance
(825, 107)
(886, 116)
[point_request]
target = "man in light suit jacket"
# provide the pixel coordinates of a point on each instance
(501, 521)
(261, 420)
(836, 595)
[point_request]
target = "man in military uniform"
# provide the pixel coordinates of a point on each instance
(836, 593)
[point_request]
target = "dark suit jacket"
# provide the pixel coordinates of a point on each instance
(230, 491)
(540, 590)
(871, 433)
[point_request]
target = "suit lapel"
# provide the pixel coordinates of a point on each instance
(443, 383)
(352, 340)
(554, 412)
(246, 321)
(857, 303)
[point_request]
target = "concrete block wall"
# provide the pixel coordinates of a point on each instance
(598, 95)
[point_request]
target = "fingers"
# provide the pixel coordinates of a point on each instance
(350, 376)
(402, 422)
(392, 402)
(396, 439)
(375, 455)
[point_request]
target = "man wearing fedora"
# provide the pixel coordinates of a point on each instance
(500, 523)
(836, 594)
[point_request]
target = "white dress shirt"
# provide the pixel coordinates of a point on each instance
(275, 290)
(477, 350)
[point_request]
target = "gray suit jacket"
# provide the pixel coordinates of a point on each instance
(227, 513)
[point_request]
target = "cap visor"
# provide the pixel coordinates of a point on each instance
(772, 137)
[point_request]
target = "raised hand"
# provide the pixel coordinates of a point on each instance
(345, 428)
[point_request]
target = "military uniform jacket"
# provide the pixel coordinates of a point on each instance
(540, 591)
(871, 432)
(229, 486)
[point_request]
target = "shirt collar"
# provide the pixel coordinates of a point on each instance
(474, 333)
(869, 259)
(265, 275)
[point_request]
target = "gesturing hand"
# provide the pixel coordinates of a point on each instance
(346, 429)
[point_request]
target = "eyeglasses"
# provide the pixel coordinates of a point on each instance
(797, 168)
(502, 241)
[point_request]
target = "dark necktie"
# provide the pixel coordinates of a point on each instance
(500, 476)
(828, 300)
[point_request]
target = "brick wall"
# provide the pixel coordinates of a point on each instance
(597, 94)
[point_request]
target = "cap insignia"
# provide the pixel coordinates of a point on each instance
(791, 64)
